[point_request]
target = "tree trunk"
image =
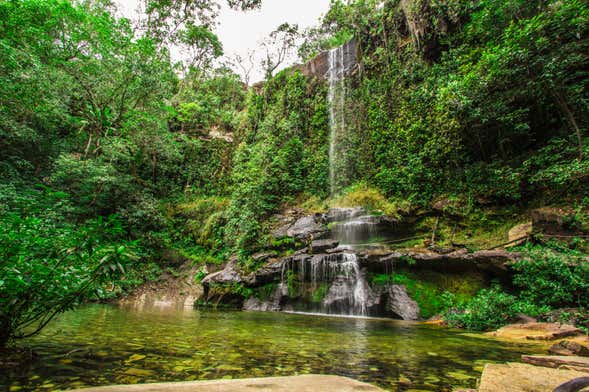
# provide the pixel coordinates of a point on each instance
(564, 106)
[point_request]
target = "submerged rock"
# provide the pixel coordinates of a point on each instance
(401, 304)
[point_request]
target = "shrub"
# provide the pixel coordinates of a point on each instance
(553, 277)
(489, 309)
(362, 194)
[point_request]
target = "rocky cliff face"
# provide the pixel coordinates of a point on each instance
(319, 65)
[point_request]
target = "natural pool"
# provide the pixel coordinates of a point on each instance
(101, 345)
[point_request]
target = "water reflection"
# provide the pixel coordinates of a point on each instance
(99, 345)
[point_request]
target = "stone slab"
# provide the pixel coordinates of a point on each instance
(307, 383)
(558, 361)
(536, 331)
(519, 377)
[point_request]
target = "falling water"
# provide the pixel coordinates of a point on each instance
(348, 293)
(341, 61)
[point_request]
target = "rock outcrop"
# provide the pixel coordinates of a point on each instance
(170, 291)
(571, 347)
(319, 66)
(321, 246)
(401, 304)
(491, 261)
(558, 362)
(229, 275)
(274, 304)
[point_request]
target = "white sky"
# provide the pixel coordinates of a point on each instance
(242, 31)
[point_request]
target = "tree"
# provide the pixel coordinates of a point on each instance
(245, 64)
(201, 46)
(278, 46)
(48, 266)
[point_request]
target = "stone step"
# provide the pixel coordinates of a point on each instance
(519, 377)
(307, 383)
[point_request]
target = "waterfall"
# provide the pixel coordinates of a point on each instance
(342, 60)
(348, 293)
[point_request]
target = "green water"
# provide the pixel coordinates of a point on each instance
(101, 345)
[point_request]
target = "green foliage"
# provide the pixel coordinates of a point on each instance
(489, 309)
(49, 265)
(553, 278)
(546, 278)
(361, 194)
(282, 153)
(429, 288)
(461, 98)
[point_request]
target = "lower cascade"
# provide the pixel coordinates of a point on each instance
(348, 292)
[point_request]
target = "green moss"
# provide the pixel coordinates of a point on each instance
(320, 293)
(265, 292)
(427, 288)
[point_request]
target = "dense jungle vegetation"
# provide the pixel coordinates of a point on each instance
(116, 163)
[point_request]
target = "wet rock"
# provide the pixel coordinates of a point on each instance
(319, 246)
(558, 362)
(570, 347)
(319, 66)
(401, 304)
(348, 295)
(228, 275)
(340, 214)
(518, 377)
(274, 304)
(310, 226)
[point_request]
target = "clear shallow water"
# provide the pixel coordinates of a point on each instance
(101, 345)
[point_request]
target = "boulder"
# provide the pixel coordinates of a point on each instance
(228, 275)
(558, 362)
(310, 226)
(553, 221)
(520, 233)
(321, 246)
(518, 377)
(570, 347)
(273, 304)
(401, 304)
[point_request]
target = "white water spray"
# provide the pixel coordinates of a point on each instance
(341, 61)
